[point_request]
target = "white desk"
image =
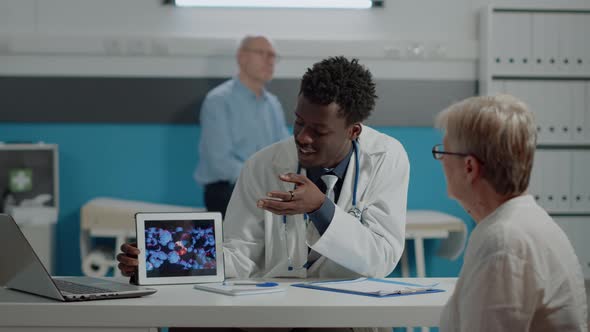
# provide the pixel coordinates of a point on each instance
(425, 224)
(181, 305)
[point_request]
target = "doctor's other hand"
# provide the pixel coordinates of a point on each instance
(306, 198)
(128, 259)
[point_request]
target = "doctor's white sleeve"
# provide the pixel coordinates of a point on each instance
(243, 227)
(374, 246)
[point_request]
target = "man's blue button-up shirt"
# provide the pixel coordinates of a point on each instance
(235, 123)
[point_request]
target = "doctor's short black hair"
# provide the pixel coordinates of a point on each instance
(343, 81)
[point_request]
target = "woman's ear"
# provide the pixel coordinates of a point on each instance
(473, 169)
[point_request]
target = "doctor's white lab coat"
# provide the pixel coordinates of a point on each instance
(259, 247)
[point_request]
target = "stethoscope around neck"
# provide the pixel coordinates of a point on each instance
(355, 211)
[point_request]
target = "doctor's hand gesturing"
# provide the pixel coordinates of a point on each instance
(307, 197)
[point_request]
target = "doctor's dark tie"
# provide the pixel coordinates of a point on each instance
(330, 181)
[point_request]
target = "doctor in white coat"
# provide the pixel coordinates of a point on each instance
(363, 232)
(259, 244)
(329, 202)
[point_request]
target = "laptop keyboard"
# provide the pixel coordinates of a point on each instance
(70, 287)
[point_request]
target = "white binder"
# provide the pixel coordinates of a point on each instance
(540, 171)
(531, 93)
(565, 39)
(536, 181)
(557, 174)
(545, 43)
(583, 32)
(580, 181)
(586, 126)
(573, 39)
(511, 44)
(580, 127)
(558, 110)
(563, 160)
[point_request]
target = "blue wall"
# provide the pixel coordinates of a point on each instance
(155, 163)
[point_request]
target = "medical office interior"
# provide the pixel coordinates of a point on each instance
(99, 104)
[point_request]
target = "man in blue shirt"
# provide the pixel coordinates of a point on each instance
(238, 118)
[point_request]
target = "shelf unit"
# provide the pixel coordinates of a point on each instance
(542, 56)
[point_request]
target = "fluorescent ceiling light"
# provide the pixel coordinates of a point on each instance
(352, 4)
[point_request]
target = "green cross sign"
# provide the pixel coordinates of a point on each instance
(20, 180)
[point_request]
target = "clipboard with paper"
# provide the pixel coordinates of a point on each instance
(371, 287)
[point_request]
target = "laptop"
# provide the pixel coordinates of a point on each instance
(21, 269)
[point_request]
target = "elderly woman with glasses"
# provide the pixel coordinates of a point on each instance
(520, 272)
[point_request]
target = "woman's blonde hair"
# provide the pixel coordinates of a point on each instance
(500, 131)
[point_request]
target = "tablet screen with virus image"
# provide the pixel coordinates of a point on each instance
(179, 248)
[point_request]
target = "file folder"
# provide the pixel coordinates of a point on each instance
(371, 287)
(580, 114)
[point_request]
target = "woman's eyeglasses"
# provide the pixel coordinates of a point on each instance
(438, 153)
